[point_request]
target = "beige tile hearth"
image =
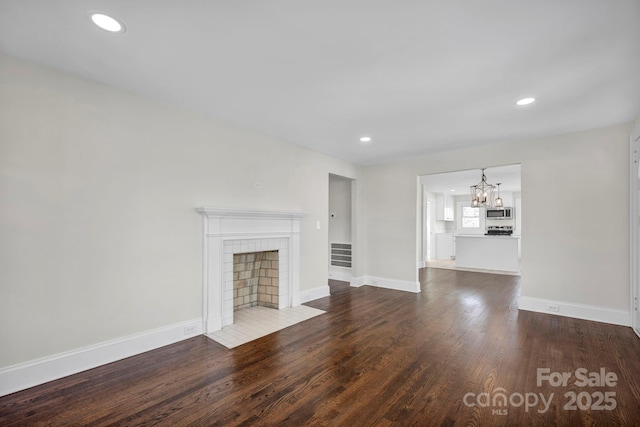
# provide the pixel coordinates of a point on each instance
(255, 322)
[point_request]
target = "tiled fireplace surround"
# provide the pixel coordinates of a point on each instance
(233, 231)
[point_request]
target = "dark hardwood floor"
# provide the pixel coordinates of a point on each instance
(377, 357)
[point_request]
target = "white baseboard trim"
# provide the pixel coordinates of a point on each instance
(578, 311)
(422, 264)
(356, 282)
(344, 276)
(24, 375)
(382, 282)
(315, 293)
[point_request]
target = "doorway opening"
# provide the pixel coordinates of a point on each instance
(460, 236)
(341, 228)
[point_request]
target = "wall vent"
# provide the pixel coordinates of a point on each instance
(341, 255)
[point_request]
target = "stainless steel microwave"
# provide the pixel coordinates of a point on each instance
(499, 213)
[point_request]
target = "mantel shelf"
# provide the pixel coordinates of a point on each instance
(248, 213)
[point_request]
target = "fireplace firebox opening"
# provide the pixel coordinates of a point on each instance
(255, 280)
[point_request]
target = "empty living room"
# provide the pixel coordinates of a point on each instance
(319, 213)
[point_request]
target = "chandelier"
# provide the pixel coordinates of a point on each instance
(482, 193)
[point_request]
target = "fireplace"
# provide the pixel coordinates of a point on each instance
(229, 232)
(256, 280)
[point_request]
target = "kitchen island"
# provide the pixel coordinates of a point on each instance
(487, 252)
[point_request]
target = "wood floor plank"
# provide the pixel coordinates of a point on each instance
(377, 357)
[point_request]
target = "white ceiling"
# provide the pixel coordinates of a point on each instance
(460, 181)
(417, 76)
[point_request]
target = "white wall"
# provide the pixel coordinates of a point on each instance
(390, 205)
(567, 257)
(99, 238)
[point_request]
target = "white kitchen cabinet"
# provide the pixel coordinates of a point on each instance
(444, 207)
(445, 246)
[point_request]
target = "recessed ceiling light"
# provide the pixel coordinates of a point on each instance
(453, 190)
(107, 23)
(526, 101)
(365, 139)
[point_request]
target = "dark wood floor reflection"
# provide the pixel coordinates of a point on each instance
(459, 353)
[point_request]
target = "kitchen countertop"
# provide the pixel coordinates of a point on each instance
(486, 237)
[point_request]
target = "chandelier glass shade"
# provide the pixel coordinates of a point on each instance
(498, 201)
(482, 193)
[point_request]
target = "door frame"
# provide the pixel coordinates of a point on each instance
(634, 217)
(428, 227)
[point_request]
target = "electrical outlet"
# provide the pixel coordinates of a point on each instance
(553, 308)
(188, 330)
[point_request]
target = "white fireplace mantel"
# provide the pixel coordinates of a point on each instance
(229, 231)
(249, 213)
